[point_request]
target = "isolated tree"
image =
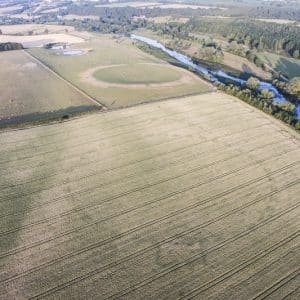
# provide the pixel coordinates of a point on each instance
(294, 86)
(0, 31)
(267, 94)
(253, 83)
(46, 31)
(287, 106)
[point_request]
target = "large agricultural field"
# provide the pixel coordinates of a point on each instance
(35, 29)
(37, 35)
(195, 197)
(116, 73)
(30, 91)
(149, 5)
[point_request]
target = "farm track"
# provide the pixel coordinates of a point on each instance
(178, 198)
(78, 145)
(294, 292)
(53, 200)
(128, 142)
(278, 285)
(7, 198)
(115, 116)
(97, 163)
(156, 200)
(194, 293)
(167, 240)
(180, 265)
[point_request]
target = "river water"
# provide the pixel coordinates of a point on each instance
(278, 97)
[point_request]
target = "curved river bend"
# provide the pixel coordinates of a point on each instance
(212, 75)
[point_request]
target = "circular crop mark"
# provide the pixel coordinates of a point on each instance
(137, 74)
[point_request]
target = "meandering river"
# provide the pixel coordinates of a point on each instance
(278, 97)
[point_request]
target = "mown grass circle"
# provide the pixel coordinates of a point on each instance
(137, 74)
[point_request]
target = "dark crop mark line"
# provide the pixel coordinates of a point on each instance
(97, 141)
(118, 127)
(140, 188)
(82, 143)
(13, 197)
(271, 290)
(166, 270)
(140, 149)
(34, 244)
(63, 197)
(104, 118)
(94, 151)
(244, 265)
(270, 263)
(194, 258)
(113, 182)
(104, 138)
(125, 152)
(57, 199)
(164, 241)
(288, 296)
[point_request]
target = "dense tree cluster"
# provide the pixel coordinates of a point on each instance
(10, 46)
(255, 35)
(282, 111)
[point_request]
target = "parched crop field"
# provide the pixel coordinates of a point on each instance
(30, 92)
(116, 73)
(190, 198)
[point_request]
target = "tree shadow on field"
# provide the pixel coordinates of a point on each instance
(288, 67)
(21, 192)
(55, 115)
(246, 69)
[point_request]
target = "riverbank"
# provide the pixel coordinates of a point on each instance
(220, 77)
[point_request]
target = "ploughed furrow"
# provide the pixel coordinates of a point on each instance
(188, 188)
(189, 198)
(214, 163)
(181, 234)
(115, 129)
(295, 275)
(174, 267)
(293, 295)
(109, 217)
(127, 143)
(132, 129)
(166, 143)
(151, 167)
(244, 265)
(120, 117)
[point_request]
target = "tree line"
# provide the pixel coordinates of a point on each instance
(278, 38)
(10, 46)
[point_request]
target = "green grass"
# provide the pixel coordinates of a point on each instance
(137, 74)
(30, 92)
(289, 67)
(108, 51)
